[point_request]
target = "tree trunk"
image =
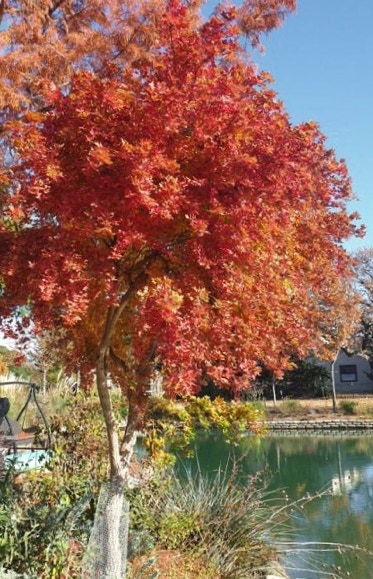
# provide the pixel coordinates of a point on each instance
(111, 529)
(113, 565)
(106, 554)
(109, 549)
(112, 540)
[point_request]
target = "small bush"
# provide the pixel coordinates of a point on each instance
(291, 407)
(348, 407)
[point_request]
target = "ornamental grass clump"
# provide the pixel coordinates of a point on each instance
(224, 527)
(348, 407)
(215, 519)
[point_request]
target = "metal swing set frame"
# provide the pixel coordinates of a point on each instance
(15, 439)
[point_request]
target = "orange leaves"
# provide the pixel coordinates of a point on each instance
(42, 44)
(261, 16)
(15, 213)
(99, 155)
(53, 171)
(168, 299)
(3, 365)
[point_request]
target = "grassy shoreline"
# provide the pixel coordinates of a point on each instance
(354, 407)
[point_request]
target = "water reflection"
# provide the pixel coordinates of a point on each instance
(340, 465)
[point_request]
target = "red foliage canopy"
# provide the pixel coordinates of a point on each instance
(171, 214)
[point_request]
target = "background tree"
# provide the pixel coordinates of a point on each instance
(45, 357)
(338, 326)
(169, 216)
(43, 43)
(306, 378)
(363, 338)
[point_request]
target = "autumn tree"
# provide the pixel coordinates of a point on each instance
(169, 217)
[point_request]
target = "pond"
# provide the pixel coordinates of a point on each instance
(337, 468)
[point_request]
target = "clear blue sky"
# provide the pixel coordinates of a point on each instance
(322, 63)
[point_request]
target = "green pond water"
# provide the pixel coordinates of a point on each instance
(339, 466)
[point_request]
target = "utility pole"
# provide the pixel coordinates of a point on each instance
(334, 395)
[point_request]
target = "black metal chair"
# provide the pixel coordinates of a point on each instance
(5, 425)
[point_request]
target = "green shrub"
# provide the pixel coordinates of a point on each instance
(348, 407)
(172, 425)
(291, 407)
(306, 379)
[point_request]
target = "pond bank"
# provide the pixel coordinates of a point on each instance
(321, 424)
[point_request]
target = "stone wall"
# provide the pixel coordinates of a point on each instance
(326, 424)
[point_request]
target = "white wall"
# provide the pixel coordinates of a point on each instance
(364, 385)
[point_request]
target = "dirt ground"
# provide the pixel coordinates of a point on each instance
(347, 407)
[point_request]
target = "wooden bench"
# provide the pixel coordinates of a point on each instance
(20, 441)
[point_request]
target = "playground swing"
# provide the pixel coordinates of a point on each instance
(21, 445)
